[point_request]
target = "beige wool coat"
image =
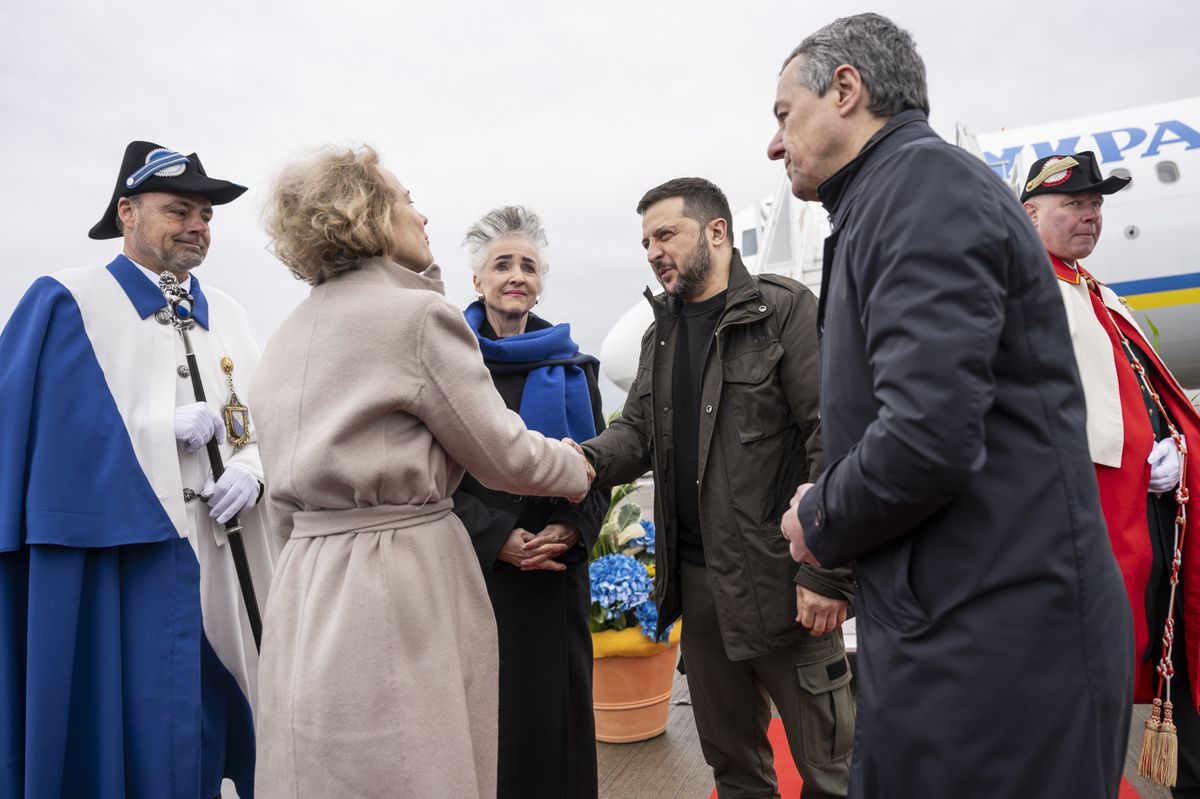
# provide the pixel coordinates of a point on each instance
(378, 672)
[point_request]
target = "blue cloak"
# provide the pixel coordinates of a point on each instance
(108, 684)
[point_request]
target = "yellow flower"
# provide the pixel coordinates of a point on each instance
(630, 642)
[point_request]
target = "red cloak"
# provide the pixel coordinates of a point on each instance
(1123, 498)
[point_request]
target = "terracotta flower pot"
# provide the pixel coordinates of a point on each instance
(631, 695)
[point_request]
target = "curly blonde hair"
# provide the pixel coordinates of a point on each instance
(330, 211)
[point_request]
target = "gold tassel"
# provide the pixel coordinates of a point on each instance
(1150, 740)
(1166, 761)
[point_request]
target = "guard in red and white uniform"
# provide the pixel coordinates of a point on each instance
(1139, 425)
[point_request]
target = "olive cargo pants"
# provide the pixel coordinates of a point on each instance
(731, 703)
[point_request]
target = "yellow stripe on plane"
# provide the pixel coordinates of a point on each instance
(1164, 299)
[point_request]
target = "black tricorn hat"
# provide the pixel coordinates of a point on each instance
(1069, 174)
(149, 167)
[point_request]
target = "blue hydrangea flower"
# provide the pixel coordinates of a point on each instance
(647, 616)
(646, 540)
(619, 584)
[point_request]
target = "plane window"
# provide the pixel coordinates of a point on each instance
(749, 242)
(1167, 171)
(1121, 172)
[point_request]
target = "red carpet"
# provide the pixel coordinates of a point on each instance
(789, 780)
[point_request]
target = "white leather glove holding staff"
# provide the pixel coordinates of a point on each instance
(1164, 466)
(195, 424)
(236, 492)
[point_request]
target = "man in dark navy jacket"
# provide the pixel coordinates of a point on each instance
(994, 636)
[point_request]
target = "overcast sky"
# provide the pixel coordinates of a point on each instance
(572, 109)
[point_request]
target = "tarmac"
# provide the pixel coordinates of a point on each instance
(672, 766)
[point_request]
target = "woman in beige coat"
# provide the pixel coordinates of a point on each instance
(379, 663)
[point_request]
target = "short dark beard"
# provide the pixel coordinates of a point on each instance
(183, 262)
(692, 278)
(178, 261)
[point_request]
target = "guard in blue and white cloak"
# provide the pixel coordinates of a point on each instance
(127, 665)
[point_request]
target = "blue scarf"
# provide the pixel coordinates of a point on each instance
(556, 401)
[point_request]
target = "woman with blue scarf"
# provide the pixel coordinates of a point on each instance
(533, 550)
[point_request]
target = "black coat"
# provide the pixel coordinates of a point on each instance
(994, 635)
(547, 730)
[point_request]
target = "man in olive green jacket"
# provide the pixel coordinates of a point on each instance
(724, 408)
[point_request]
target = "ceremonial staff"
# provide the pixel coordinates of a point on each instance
(180, 304)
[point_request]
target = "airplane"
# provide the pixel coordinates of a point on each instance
(1149, 252)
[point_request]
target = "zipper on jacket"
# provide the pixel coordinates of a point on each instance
(708, 350)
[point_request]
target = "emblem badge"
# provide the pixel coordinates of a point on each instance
(165, 156)
(236, 415)
(1060, 177)
(1056, 170)
(161, 162)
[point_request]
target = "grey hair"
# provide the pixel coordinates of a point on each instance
(499, 223)
(884, 54)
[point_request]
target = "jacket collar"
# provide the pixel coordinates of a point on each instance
(146, 297)
(1063, 271)
(741, 287)
(381, 269)
(834, 189)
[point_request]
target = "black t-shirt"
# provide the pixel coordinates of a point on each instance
(696, 326)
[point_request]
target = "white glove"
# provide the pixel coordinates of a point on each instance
(1164, 466)
(195, 424)
(235, 493)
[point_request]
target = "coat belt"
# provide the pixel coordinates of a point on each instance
(373, 519)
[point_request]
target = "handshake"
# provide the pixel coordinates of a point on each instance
(591, 472)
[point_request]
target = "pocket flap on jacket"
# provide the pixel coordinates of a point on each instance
(825, 675)
(753, 366)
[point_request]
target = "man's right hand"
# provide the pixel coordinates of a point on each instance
(195, 424)
(793, 530)
(591, 472)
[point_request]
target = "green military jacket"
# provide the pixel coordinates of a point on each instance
(759, 438)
